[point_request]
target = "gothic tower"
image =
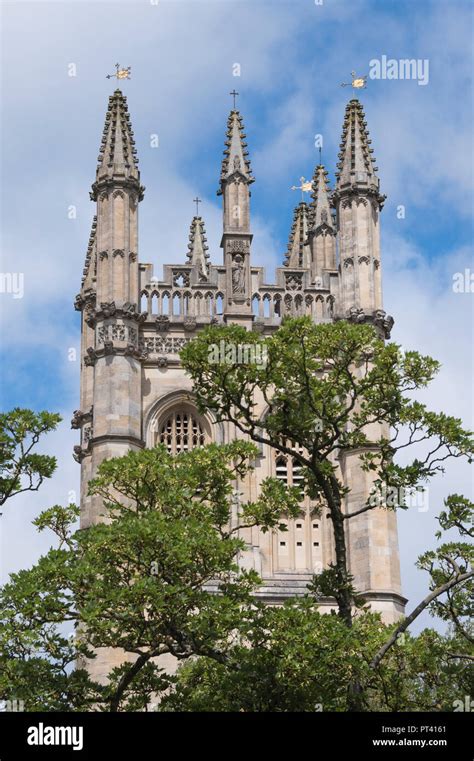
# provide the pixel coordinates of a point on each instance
(134, 392)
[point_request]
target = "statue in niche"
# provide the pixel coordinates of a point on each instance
(238, 275)
(236, 164)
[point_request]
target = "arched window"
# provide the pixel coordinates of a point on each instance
(181, 431)
(266, 305)
(144, 302)
(176, 304)
(256, 305)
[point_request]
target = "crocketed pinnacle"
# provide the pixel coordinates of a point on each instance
(356, 164)
(197, 253)
(117, 160)
(320, 213)
(235, 159)
(299, 253)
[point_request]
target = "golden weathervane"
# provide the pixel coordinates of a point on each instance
(305, 187)
(357, 83)
(120, 73)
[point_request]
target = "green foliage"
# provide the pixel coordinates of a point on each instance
(142, 580)
(294, 658)
(21, 469)
(329, 390)
(160, 575)
(451, 561)
(325, 386)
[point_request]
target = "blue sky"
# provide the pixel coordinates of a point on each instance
(293, 57)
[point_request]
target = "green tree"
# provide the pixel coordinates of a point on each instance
(297, 659)
(22, 469)
(327, 388)
(293, 658)
(143, 581)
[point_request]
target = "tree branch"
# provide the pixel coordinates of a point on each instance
(403, 626)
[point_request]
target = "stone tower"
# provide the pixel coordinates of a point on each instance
(134, 392)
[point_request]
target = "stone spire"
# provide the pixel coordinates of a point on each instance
(358, 203)
(322, 234)
(235, 161)
(356, 165)
(111, 393)
(234, 186)
(320, 213)
(117, 160)
(299, 253)
(197, 253)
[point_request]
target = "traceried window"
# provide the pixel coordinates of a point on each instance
(181, 431)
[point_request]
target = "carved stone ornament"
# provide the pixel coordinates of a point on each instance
(189, 323)
(238, 246)
(294, 282)
(383, 321)
(162, 322)
(356, 314)
(181, 279)
(238, 275)
(91, 357)
(108, 308)
(79, 417)
(85, 300)
(79, 452)
(162, 344)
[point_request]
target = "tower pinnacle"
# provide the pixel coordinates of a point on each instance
(117, 160)
(320, 206)
(356, 165)
(197, 253)
(235, 161)
(299, 253)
